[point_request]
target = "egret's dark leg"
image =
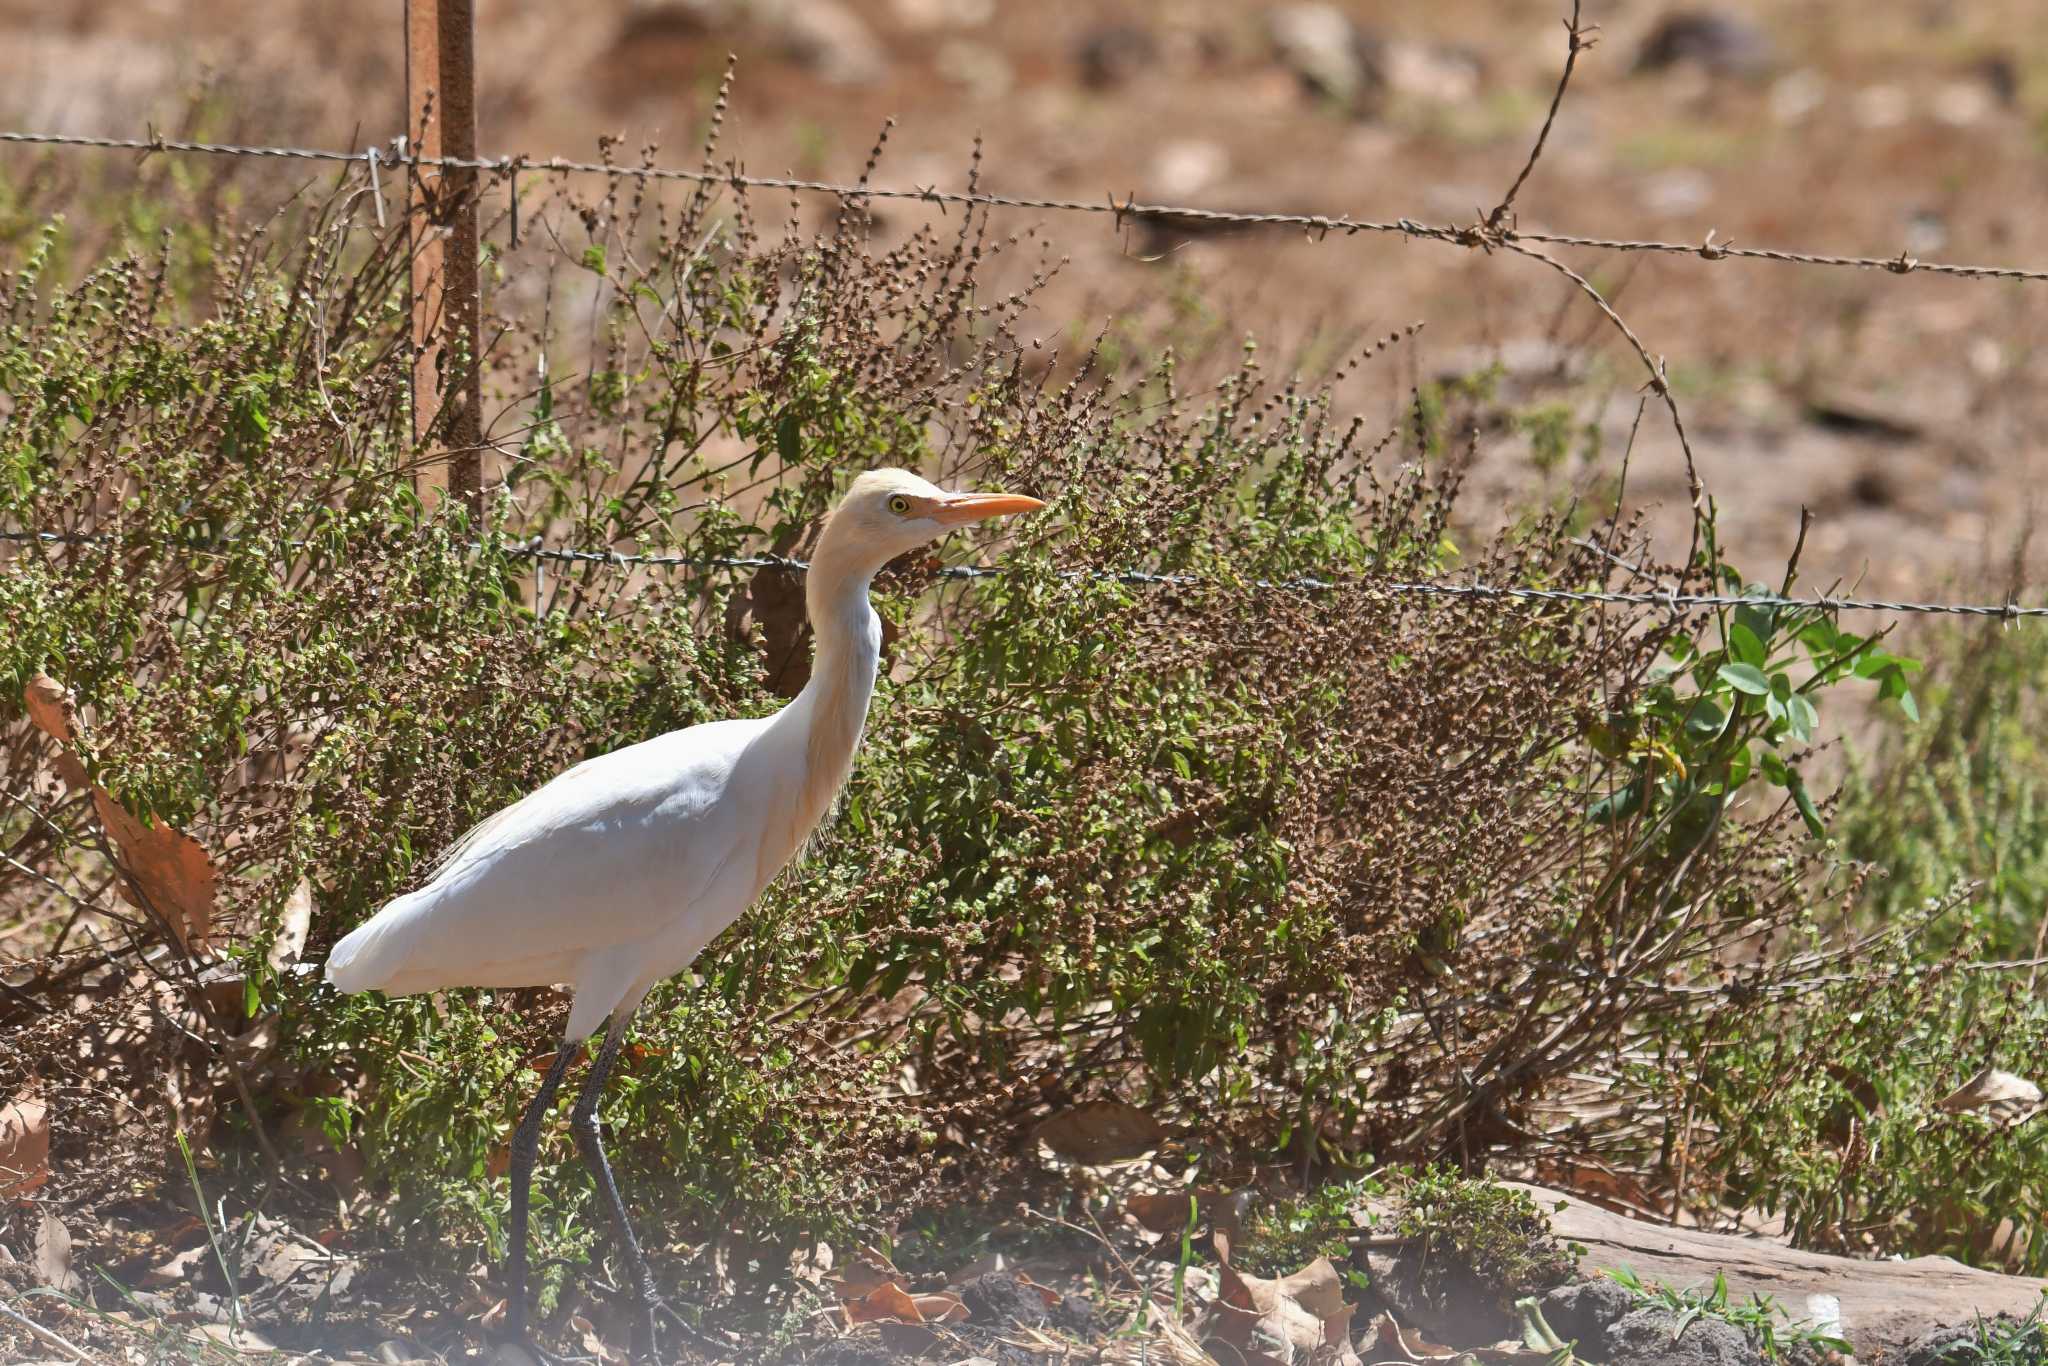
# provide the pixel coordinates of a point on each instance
(583, 1123)
(525, 1148)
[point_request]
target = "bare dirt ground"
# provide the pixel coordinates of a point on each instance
(1903, 410)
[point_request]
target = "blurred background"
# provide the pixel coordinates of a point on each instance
(1905, 412)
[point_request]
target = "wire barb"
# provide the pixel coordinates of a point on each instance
(1121, 211)
(535, 549)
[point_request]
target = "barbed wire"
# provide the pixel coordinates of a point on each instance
(1145, 578)
(1483, 235)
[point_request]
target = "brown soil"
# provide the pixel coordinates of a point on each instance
(1902, 411)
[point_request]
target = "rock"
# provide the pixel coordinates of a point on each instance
(1959, 1345)
(1797, 94)
(645, 19)
(1184, 169)
(1431, 72)
(1581, 1312)
(1000, 1299)
(1645, 1337)
(1331, 56)
(825, 36)
(1883, 1305)
(1110, 55)
(1715, 42)
(939, 14)
(978, 68)
(1005, 1301)
(1677, 192)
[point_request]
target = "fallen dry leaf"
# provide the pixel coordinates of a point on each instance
(292, 925)
(1405, 1344)
(586, 1333)
(1101, 1131)
(1991, 1087)
(24, 1147)
(1168, 1211)
(885, 1303)
(170, 869)
(1304, 1311)
(52, 1256)
(179, 1269)
(1050, 1296)
(867, 1270)
(940, 1307)
(51, 709)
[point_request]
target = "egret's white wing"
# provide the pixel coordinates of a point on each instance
(611, 852)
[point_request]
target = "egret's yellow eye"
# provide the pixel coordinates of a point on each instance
(900, 505)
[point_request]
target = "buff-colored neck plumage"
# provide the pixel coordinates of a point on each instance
(832, 709)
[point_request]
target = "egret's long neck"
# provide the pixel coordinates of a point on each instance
(827, 716)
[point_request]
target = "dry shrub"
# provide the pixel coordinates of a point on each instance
(1293, 865)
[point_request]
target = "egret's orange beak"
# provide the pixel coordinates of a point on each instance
(958, 509)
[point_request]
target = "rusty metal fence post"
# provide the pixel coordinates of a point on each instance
(440, 110)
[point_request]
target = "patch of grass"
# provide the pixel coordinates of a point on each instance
(2007, 1342)
(1289, 1233)
(1761, 1318)
(1494, 1234)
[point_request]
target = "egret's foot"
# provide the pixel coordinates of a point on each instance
(645, 1337)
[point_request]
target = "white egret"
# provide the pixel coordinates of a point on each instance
(617, 873)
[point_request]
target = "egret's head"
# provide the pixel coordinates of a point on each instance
(887, 512)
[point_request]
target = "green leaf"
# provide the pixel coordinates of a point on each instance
(1804, 802)
(1802, 718)
(1745, 644)
(1617, 806)
(1746, 678)
(1822, 637)
(1706, 720)
(1775, 768)
(1760, 622)
(788, 439)
(1739, 765)
(593, 257)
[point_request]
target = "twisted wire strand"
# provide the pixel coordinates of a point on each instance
(1483, 235)
(1675, 601)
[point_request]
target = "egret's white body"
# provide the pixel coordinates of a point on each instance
(617, 873)
(608, 879)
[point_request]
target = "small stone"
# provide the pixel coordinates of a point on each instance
(1580, 1312)
(827, 37)
(1797, 94)
(1679, 191)
(938, 14)
(1330, 55)
(1110, 55)
(1715, 42)
(1186, 168)
(1644, 1337)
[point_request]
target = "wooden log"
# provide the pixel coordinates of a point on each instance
(1883, 1305)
